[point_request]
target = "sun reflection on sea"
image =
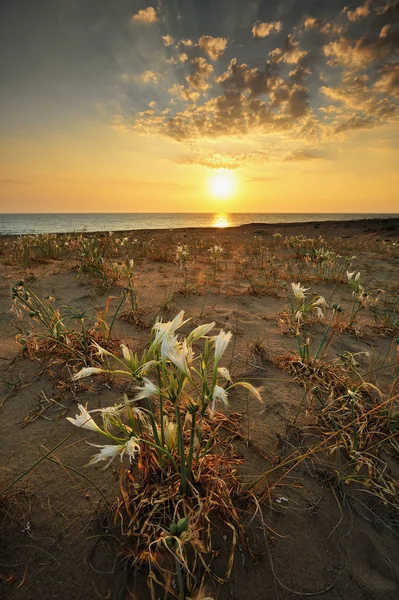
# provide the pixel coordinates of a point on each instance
(221, 221)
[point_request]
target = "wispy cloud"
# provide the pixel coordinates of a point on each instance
(14, 182)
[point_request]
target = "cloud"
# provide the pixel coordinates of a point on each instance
(186, 42)
(360, 12)
(232, 114)
(175, 60)
(167, 40)
(200, 72)
(149, 77)
(240, 77)
(363, 51)
(291, 53)
(184, 93)
(223, 161)
(388, 83)
(146, 15)
(261, 30)
(306, 87)
(14, 182)
(322, 25)
(302, 155)
(359, 107)
(213, 47)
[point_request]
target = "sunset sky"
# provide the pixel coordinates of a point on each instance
(199, 105)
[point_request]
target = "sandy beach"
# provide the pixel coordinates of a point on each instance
(320, 452)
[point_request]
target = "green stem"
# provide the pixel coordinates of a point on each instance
(179, 578)
(191, 450)
(323, 339)
(183, 474)
(115, 315)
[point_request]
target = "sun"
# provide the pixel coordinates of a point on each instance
(222, 184)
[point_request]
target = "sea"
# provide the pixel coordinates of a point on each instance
(23, 224)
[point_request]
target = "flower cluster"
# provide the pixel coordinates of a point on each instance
(187, 386)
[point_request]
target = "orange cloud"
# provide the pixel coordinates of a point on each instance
(149, 77)
(213, 47)
(200, 72)
(358, 13)
(146, 15)
(291, 53)
(167, 40)
(261, 30)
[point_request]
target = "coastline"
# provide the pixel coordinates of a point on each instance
(373, 225)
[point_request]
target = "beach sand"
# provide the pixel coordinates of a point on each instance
(336, 541)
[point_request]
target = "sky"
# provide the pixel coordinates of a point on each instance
(199, 106)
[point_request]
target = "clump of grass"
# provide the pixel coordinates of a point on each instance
(357, 424)
(92, 259)
(303, 246)
(47, 329)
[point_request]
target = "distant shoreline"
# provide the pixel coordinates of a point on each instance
(388, 226)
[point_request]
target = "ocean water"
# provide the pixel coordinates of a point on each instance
(20, 224)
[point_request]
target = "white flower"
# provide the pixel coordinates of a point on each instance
(101, 351)
(126, 353)
(168, 343)
(355, 276)
(86, 372)
(170, 434)
(321, 301)
(109, 413)
(224, 373)
(219, 394)
(221, 342)
(299, 291)
(84, 420)
(131, 448)
(169, 328)
(148, 390)
(200, 332)
(181, 356)
(107, 452)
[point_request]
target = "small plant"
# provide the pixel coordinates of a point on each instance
(215, 253)
(360, 296)
(171, 436)
(182, 258)
(54, 332)
(306, 310)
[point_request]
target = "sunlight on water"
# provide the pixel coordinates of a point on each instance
(221, 221)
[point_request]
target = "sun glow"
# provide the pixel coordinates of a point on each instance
(221, 221)
(222, 184)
